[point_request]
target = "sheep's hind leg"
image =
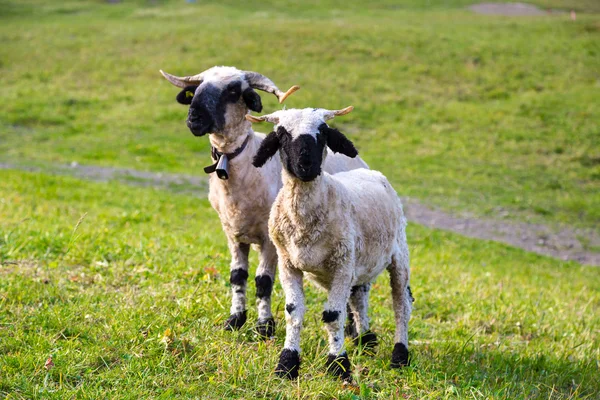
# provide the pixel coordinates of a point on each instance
(334, 316)
(291, 281)
(238, 278)
(402, 299)
(265, 276)
(350, 329)
(359, 303)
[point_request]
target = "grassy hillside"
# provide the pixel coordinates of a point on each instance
(126, 289)
(491, 115)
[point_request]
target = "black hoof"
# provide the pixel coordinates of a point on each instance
(289, 364)
(339, 366)
(266, 328)
(235, 321)
(368, 340)
(400, 356)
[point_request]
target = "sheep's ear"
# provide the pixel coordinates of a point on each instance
(252, 100)
(337, 142)
(186, 95)
(267, 149)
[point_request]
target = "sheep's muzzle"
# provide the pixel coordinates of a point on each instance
(199, 122)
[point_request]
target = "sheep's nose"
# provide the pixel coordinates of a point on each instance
(194, 114)
(304, 156)
(304, 165)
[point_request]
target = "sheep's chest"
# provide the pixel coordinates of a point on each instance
(307, 252)
(305, 238)
(244, 218)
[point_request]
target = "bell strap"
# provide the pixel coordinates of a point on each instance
(223, 172)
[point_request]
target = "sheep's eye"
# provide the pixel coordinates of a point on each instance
(233, 90)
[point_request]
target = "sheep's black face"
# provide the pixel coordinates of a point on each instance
(302, 155)
(207, 111)
(209, 106)
(301, 138)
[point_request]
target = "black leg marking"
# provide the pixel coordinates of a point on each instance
(330, 316)
(355, 289)
(412, 299)
(350, 329)
(290, 308)
(266, 328)
(367, 340)
(238, 277)
(400, 356)
(235, 321)
(264, 286)
(289, 364)
(339, 366)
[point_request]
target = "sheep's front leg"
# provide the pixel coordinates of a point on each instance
(334, 316)
(265, 275)
(291, 281)
(359, 304)
(238, 277)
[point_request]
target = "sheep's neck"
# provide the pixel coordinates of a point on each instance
(231, 138)
(305, 199)
(227, 142)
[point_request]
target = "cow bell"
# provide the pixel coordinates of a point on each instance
(223, 167)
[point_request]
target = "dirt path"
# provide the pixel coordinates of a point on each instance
(508, 9)
(181, 183)
(563, 243)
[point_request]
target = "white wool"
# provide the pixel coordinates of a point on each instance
(222, 76)
(340, 231)
(301, 121)
(244, 201)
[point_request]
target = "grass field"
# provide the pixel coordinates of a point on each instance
(484, 114)
(106, 271)
(126, 287)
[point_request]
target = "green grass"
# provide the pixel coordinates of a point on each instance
(126, 288)
(465, 112)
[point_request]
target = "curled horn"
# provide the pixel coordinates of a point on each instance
(269, 118)
(261, 82)
(329, 114)
(183, 81)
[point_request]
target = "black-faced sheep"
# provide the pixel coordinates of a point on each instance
(219, 98)
(340, 231)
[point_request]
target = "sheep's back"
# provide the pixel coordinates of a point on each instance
(377, 218)
(337, 162)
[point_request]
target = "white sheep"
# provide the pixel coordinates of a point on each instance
(242, 195)
(340, 231)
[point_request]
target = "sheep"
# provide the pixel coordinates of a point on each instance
(340, 231)
(242, 195)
